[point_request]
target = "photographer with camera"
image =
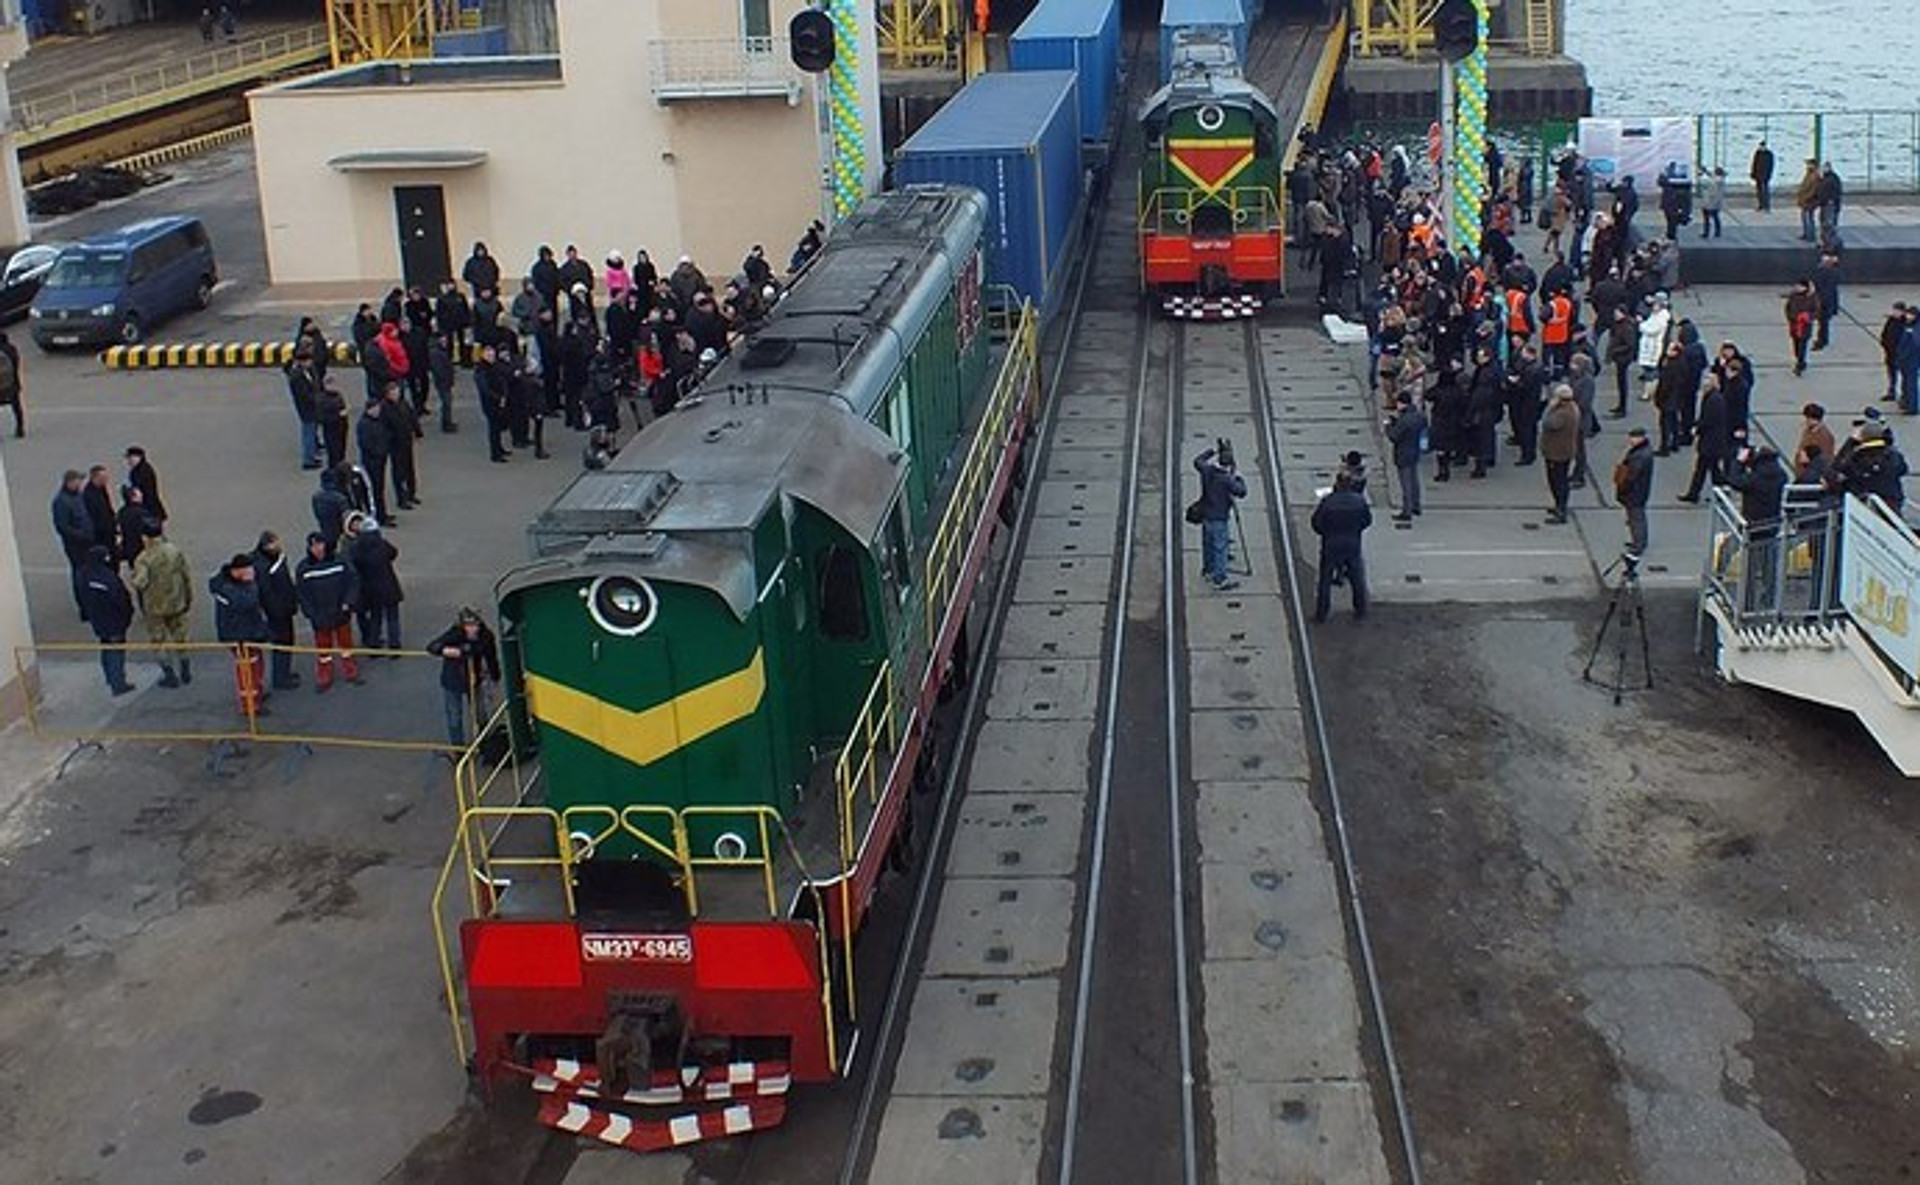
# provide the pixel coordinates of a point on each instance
(1220, 486)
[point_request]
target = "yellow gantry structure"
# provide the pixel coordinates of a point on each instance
(386, 30)
(920, 34)
(1405, 27)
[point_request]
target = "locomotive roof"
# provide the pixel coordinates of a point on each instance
(681, 500)
(879, 279)
(1225, 90)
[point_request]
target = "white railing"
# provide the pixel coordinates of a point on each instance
(215, 65)
(723, 68)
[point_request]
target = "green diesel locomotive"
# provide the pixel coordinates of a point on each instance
(723, 663)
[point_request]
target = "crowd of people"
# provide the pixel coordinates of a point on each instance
(1476, 356)
(575, 343)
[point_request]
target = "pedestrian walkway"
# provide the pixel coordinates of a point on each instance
(69, 84)
(1488, 540)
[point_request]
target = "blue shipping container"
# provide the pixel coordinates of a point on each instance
(1078, 35)
(1016, 138)
(1214, 16)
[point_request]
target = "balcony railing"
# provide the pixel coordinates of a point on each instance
(693, 68)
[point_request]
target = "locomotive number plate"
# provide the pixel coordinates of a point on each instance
(637, 948)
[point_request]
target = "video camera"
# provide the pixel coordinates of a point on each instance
(1223, 452)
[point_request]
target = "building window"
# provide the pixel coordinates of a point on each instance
(755, 19)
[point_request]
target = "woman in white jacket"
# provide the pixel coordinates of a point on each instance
(1653, 336)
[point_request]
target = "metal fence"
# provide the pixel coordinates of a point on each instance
(722, 67)
(200, 72)
(1768, 576)
(1873, 151)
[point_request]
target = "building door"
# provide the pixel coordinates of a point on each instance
(425, 257)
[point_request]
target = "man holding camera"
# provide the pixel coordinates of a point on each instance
(1220, 485)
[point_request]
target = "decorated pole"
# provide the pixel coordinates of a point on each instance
(847, 179)
(1470, 185)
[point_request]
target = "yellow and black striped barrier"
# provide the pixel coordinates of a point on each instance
(227, 355)
(193, 355)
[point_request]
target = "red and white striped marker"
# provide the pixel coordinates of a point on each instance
(734, 1080)
(656, 1135)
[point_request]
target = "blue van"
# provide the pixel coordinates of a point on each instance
(114, 287)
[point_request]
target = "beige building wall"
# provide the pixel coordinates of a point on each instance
(592, 160)
(16, 631)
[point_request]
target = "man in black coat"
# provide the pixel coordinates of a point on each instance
(491, 382)
(1762, 174)
(452, 315)
(131, 523)
(1712, 442)
(1486, 392)
(97, 497)
(481, 271)
(73, 527)
(403, 428)
(108, 608)
(303, 388)
(327, 590)
(280, 603)
(1404, 430)
(140, 472)
(1340, 519)
(331, 504)
(1525, 379)
(1633, 486)
(375, 437)
(1826, 288)
(239, 622)
(469, 668)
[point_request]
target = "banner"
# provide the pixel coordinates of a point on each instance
(1637, 148)
(1879, 583)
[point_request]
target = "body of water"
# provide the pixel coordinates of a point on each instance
(1772, 64)
(1684, 57)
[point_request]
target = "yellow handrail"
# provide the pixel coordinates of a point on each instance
(678, 852)
(1017, 382)
(1170, 210)
(859, 761)
(760, 816)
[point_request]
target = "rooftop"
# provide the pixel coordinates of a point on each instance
(432, 72)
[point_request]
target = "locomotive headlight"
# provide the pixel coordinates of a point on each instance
(1210, 118)
(623, 605)
(1180, 217)
(1239, 216)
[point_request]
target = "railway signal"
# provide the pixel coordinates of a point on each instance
(810, 40)
(1456, 29)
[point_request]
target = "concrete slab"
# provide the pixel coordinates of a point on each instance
(1291, 1019)
(1241, 676)
(1022, 756)
(933, 1141)
(996, 927)
(972, 1037)
(1244, 744)
(1300, 1132)
(1235, 618)
(1054, 631)
(1064, 580)
(1085, 464)
(1071, 535)
(1043, 689)
(1261, 824)
(603, 1164)
(1017, 835)
(1078, 433)
(1096, 499)
(1093, 405)
(1286, 910)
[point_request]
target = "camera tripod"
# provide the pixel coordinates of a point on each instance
(1626, 615)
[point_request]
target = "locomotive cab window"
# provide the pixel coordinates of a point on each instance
(899, 551)
(843, 599)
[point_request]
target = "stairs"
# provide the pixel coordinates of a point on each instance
(721, 1100)
(1541, 39)
(1828, 664)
